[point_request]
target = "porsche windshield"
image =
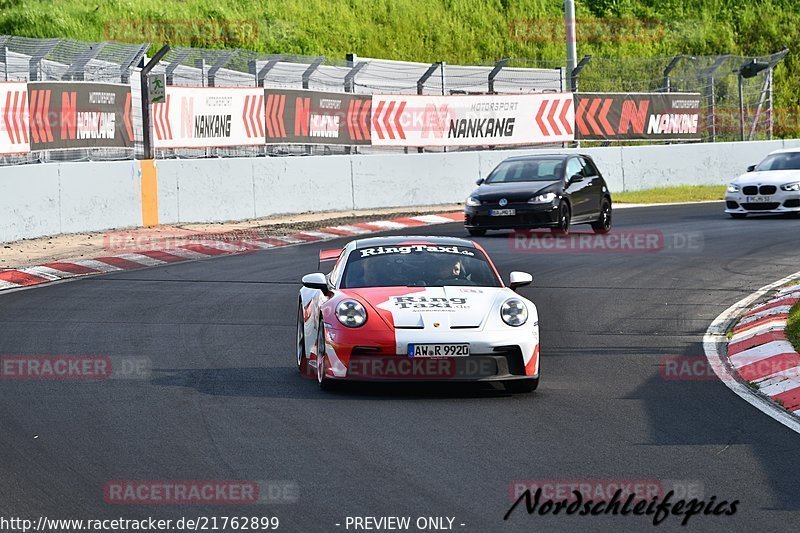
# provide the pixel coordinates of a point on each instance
(418, 266)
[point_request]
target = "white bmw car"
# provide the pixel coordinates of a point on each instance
(416, 309)
(772, 186)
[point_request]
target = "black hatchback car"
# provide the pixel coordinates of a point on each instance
(541, 191)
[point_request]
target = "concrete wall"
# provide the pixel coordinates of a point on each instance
(47, 199)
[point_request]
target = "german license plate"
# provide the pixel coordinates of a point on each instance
(438, 350)
(503, 212)
(758, 199)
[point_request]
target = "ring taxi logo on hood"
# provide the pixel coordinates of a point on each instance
(425, 302)
(382, 250)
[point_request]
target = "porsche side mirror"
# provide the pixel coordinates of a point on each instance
(479, 181)
(316, 281)
(751, 168)
(519, 279)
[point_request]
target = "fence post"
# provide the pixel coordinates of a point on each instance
(77, 70)
(666, 85)
(180, 55)
(147, 139)
(125, 66)
(310, 70)
(421, 86)
(221, 62)
(708, 75)
(36, 58)
(498, 66)
(576, 73)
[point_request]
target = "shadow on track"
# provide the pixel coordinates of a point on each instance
(287, 383)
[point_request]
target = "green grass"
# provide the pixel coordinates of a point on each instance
(686, 193)
(455, 31)
(793, 327)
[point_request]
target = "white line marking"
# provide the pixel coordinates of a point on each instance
(352, 229)
(715, 346)
(387, 224)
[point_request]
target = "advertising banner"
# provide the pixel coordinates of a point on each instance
(473, 120)
(66, 115)
(637, 116)
(208, 117)
(314, 117)
(14, 126)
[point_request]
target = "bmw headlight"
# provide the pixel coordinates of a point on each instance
(791, 186)
(351, 313)
(473, 202)
(733, 188)
(545, 198)
(514, 312)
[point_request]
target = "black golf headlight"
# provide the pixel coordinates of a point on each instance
(351, 313)
(514, 312)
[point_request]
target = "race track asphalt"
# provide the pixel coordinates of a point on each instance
(224, 401)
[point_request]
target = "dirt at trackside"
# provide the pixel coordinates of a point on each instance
(31, 252)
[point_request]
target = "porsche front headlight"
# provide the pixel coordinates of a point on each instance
(514, 312)
(351, 313)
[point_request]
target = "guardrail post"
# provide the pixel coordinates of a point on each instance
(261, 75)
(147, 139)
(200, 64)
(350, 77)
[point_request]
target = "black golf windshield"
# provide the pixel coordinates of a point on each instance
(784, 161)
(544, 169)
(419, 265)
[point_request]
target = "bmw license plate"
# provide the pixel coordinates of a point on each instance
(503, 212)
(438, 350)
(758, 199)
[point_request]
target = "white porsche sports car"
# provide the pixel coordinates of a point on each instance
(416, 308)
(772, 186)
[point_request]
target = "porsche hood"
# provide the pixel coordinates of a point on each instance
(434, 307)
